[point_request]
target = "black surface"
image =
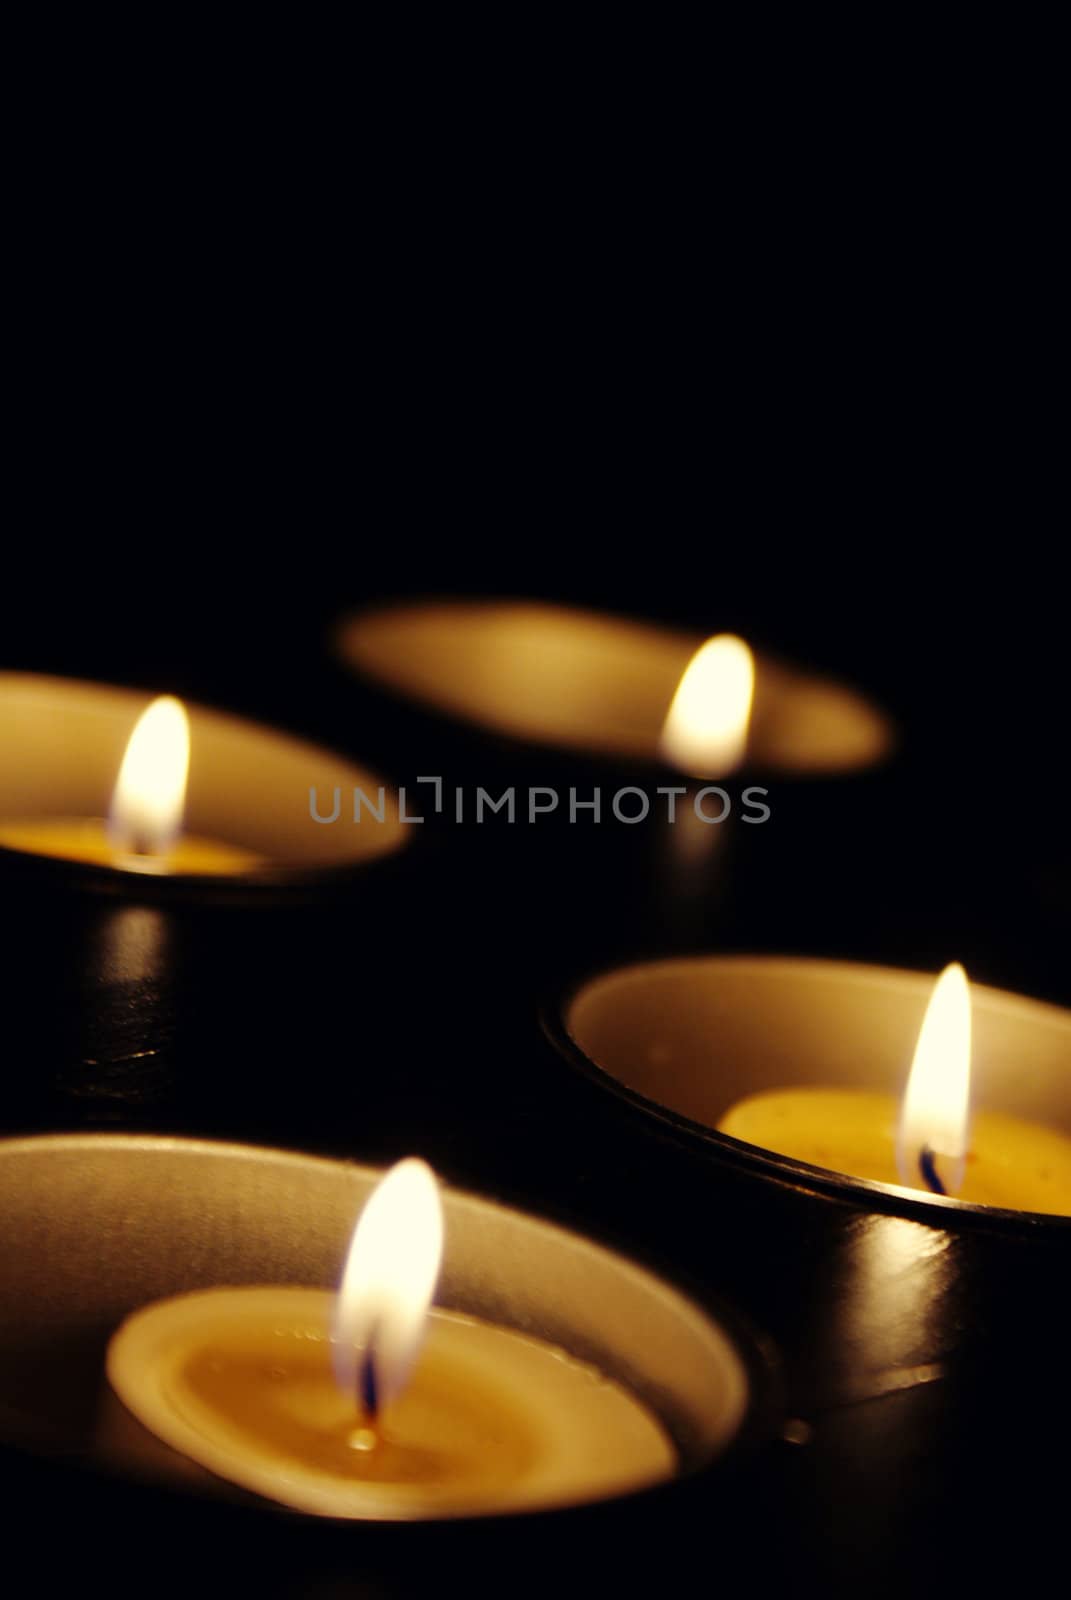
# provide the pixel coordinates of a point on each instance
(929, 1366)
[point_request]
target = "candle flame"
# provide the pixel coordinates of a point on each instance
(147, 805)
(387, 1286)
(706, 728)
(932, 1142)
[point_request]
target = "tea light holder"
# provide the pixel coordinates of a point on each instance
(62, 743)
(98, 1226)
(597, 685)
(685, 1040)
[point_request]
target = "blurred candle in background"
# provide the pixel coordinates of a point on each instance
(91, 776)
(604, 685)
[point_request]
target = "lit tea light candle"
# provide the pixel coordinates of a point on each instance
(104, 1227)
(371, 1405)
(604, 685)
(794, 1059)
(143, 832)
(192, 793)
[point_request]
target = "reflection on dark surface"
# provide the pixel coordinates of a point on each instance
(891, 1324)
(127, 1014)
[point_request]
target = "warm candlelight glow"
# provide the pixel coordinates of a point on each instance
(932, 1141)
(337, 1405)
(387, 1286)
(706, 728)
(147, 805)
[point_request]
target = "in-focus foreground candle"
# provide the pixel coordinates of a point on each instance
(330, 1405)
(101, 1229)
(242, 1380)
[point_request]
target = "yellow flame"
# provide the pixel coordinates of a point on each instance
(935, 1114)
(388, 1285)
(147, 805)
(706, 728)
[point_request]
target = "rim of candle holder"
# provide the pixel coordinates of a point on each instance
(46, 1441)
(756, 1160)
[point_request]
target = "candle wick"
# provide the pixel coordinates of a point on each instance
(928, 1168)
(133, 843)
(143, 844)
(368, 1384)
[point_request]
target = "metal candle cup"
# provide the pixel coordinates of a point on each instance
(62, 743)
(690, 1039)
(599, 685)
(97, 1227)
